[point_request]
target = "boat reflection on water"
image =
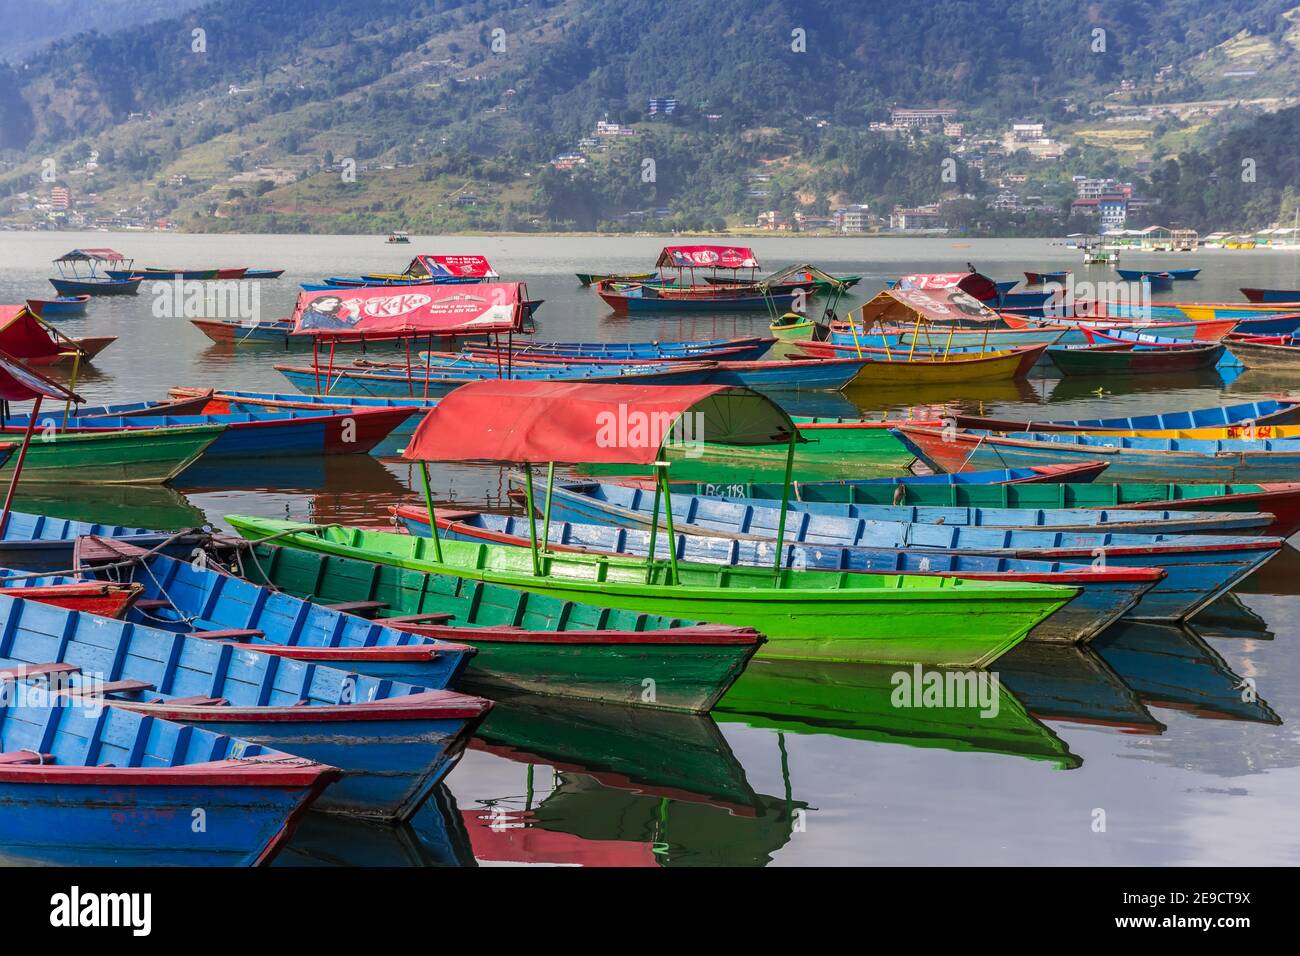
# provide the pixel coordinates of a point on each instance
(1062, 683)
(435, 836)
(969, 393)
(298, 475)
(1230, 617)
(1174, 668)
(606, 785)
(857, 702)
(136, 506)
(1118, 386)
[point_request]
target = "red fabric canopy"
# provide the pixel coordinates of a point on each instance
(711, 257)
(972, 283)
(104, 255)
(447, 267)
(411, 310)
(579, 422)
(23, 336)
(18, 383)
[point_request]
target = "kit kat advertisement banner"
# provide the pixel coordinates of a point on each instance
(411, 310)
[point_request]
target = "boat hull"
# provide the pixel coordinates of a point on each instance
(100, 287)
(129, 456)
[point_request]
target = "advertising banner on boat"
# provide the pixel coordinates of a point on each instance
(973, 283)
(411, 309)
(708, 257)
(452, 267)
(949, 306)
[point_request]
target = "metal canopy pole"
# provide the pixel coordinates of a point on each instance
(654, 535)
(428, 503)
(532, 518)
(785, 507)
(18, 465)
(662, 468)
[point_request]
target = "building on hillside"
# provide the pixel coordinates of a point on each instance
(902, 118)
(60, 198)
(663, 104)
(856, 218)
(566, 161)
(919, 217)
(772, 219)
(606, 128)
(806, 223)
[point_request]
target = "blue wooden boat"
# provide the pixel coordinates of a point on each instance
(1260, 413)
(939, 338)
(1199, 567)
(1175, 275)
(263, 273)
(187, 598)
(104, 286)
(1105, 594)
(1271, 295)
(999, 476)
(744, 348)
(1268, 325)
(626, 506)
(641, 298)
(63, 307)
(1158, 281)
(40, 543)
(1042, 278)
(242, 401)
(1131, 459)
(393, 741)
(1033, 302)
(88, 785)
(808, 375)
(390, 384)
(266, 433)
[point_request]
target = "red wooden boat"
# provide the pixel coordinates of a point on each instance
(92, 597)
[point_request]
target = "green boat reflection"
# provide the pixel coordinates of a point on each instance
(855, 701)
(621, 786)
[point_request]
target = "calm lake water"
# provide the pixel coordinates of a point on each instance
(800, 765)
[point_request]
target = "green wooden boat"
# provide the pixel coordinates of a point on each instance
(1280, 499)
(129, 456)
(835, 448)
(806, 615)
(531, 642)
(858, 702)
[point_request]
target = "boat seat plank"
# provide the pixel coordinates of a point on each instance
(20, 671)
(433, 617)
(109, 687)
(199, 700)
(228, 634)
(358, 607)
(25, 756)
(152, 604)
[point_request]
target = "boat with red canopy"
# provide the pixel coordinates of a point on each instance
(24, 335)
(677, 293)
(79, 273)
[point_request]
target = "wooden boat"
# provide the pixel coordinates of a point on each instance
(89, 786)
(1270, 295)
(1126, 359)
(108, 599)
(1205, 311)
(805, 614)
(993, 340)
(87, 345)
(792, 325)
(310, 709)
(263, 273)
(1279, 499)
(1282, 352)
(130, 455)
(188, 405)
(274, 434)
(739, 349)
(643, 297)
(1281, 412)
(595, 278)
(622, 506)
(901, 367)
(38, 542)
(1198, 568)
(1182, 328)
(63, 307)
(1284, 324)
(73, 280)
(819, 374)
(1042, 278)
(1138, 340)
(186, 597)
(279, 333)
(528, 642)
(346, 381)
(1175, 275)
(225, 402)
(398, 238)
(1105, 594)
(1131, 459)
